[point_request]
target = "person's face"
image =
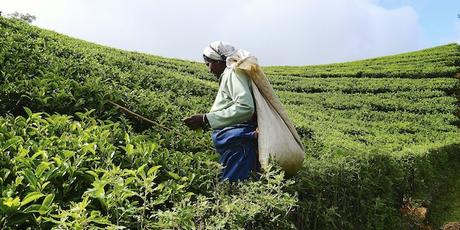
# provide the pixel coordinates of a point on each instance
(215, 67)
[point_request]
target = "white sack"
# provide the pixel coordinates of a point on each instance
(278, 138)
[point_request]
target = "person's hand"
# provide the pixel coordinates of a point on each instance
(195, 121)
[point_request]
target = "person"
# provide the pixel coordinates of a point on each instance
(232, 116)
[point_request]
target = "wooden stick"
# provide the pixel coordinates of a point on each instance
(126, 110)
(131, 113)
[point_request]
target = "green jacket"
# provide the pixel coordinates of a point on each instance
(234, 103)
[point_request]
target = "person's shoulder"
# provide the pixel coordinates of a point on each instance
(237, 72)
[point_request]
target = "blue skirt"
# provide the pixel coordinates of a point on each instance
(237, 147)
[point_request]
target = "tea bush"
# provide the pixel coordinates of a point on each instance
(85, 173)
(378, 132)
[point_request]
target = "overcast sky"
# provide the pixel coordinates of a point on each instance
(289, 32)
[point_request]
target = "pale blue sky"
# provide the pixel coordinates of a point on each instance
(278, 32)
(438, 18)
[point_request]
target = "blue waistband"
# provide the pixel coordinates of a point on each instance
(230, 135)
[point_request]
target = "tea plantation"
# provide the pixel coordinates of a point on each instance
(380, 134)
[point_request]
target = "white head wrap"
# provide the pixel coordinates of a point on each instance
(223, 51)
(219, 50)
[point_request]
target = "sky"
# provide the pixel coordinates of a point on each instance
(289, 32)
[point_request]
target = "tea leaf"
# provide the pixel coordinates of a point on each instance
(28, 111)
(174, 175)
(153, 170)
(30, 177)
(48, 200)
(33, 196)
(32, 208)
(41, 168)
(12, 202)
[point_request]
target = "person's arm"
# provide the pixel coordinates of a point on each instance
(242, 106)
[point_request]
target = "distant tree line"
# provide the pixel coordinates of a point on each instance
(25, 17)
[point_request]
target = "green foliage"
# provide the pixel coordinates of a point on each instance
(86, 173)
(445, 207)
(429, 63)
(377, 132)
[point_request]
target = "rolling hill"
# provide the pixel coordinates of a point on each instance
(380, 134)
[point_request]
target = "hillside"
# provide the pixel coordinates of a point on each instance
(379, 133)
